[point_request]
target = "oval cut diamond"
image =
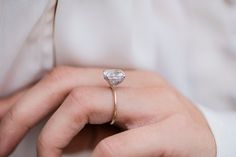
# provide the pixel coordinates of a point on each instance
(114, 76)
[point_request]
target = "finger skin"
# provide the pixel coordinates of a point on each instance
(83, 105)
(139, 142)
(89, 137)
(175, 136)
(7, 103)
(48, 94)
(93, 105)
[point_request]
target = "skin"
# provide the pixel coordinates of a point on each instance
(153, 119)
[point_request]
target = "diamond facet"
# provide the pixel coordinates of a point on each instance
(114, 76)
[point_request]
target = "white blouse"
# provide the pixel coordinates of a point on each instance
(191, 43)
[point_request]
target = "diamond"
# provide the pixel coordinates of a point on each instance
(114, 76)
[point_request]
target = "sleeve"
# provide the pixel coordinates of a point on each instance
(223, 127)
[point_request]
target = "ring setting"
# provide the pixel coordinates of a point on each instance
(114, 77)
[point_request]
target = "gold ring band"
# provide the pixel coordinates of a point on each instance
(114, 77)
(114, 116)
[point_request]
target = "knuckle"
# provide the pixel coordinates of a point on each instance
(161, 90)
(77, 93)
(154, 77)
(57, 73)
(11, 114)
(80, 96)
(167, 93)
(18, 119)
(107, 148)
(42, 143)
(183, 120)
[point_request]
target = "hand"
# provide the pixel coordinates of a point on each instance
(158, 121)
